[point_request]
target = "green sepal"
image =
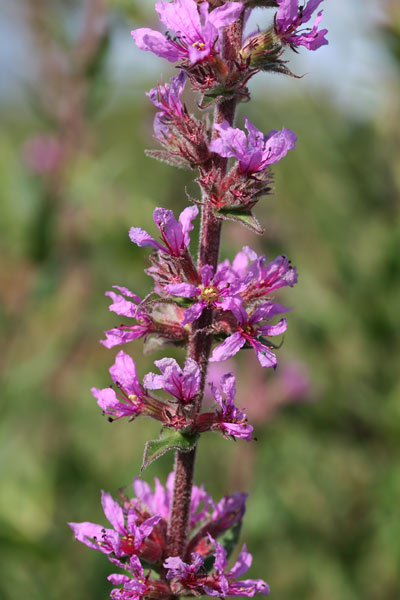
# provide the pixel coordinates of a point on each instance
(243, 216)
(228, 541)
(169, 440)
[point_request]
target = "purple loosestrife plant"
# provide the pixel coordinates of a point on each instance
(176, 541)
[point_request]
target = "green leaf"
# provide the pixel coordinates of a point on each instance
(228, 541)
(215, 95)
(169, 440)
(241, 215)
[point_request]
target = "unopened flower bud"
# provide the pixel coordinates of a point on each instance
(260, 49)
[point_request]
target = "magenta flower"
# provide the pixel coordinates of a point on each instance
(167, 98)
(192, 31)
(130, 401)
(229, 419)
(127, 308)
(182, 384)
(126, 538)
(43, 154)
(220, 582)
(138, 585)
(249, 332)
(134, 588)
(175, 234)
(261, 278)
(256, 151)
(215, 291)
(291, 16)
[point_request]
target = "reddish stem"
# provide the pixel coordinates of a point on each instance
(200, 340)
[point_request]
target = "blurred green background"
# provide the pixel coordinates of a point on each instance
(324, 478)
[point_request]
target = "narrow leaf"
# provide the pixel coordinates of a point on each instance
(169, 440)
(167, 157)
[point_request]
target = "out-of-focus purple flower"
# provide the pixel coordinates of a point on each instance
(290, 17)
(215, 291)
(221, 583)
(249, 332)
(43, 154)
(127, 308)
(130, 400)
(256, 151)
(229, 419)
(183, 384)
(175, 234)
(167, 96)
(138, 585)
(159, 502)
(192, 31)
(126, 537)
(261, 278)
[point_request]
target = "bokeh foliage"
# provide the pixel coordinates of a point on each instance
(323, 515)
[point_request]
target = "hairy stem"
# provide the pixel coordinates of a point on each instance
(200, 340)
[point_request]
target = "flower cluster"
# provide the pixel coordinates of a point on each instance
(129, 398)
(137, 539)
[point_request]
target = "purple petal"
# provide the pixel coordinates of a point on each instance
(220, 556)
(148, 525)
(277, 145)
(248, 587)
(230, 143)
(141, 238)
(113, 512)
(266, 358)
(193, 312)
(308, 10)
(117, 579)
(152, 381)
(241, 261)
(154, 41)
(268, 310)
(185, 219)
(86, 532)
(117, 336)
(228, 348)
(176, 567)
(242, 564)
(243, 431)
(109, 403)
(191, 379)
(270, 330)
(123, 372)
(226, 14)
(287, 14)
(171, 230)
(181, 16)
(121, 306)
(228, 386)
(207, 272)
(183, 290)
(239, 311)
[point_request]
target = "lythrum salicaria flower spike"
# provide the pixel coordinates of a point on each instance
(175, 540)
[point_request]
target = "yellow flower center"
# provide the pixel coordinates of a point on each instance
(199, 45)
(209, 294)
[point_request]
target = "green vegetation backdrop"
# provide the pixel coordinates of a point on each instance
(324, 478)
